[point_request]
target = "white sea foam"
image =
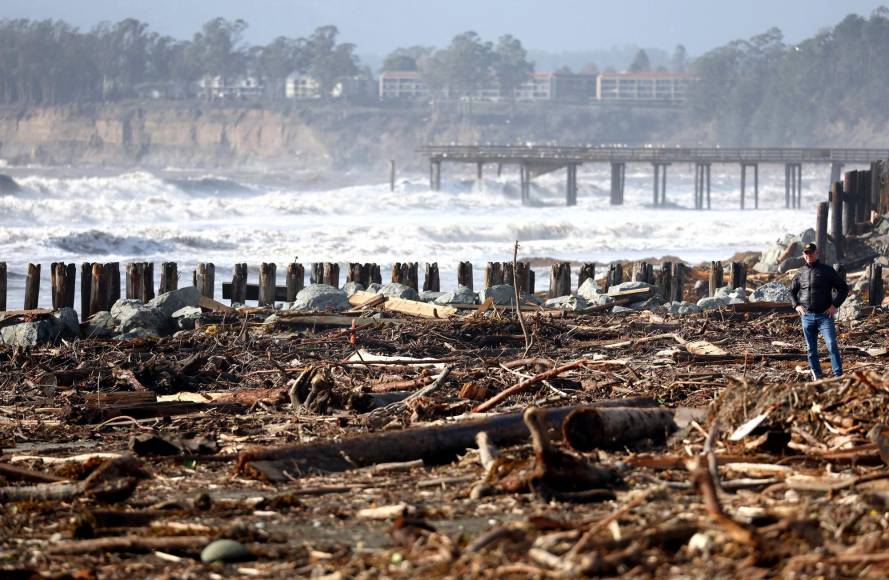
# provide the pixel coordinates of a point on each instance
(195, 218)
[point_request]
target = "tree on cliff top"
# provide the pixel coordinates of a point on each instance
(329, 62)
(217, 48)
(511, 65)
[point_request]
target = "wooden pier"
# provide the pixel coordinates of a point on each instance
(534, 161)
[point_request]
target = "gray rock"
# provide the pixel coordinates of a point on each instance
(567, 303)
(319, 297)
(735, 296)
(621, 310)
(102, 325)
(187, 311)
(61, 324)
(351, 288)
(771, 292)
(589, 290)
(187, 318)
(396, 290)
(502, 294)
(462, 295)
(712, 302)
(133, 314)
(851, 309)
(137, 332)
(429, 296)
(683, 308)
(791, 264)
(702, 288)
(224, 551)
(651, 304)
(374, 287)
(170, 302)
(632, 286)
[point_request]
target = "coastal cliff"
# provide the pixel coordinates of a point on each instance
(315, 136)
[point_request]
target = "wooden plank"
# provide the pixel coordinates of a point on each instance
(326, 321)
(213, 305)
(253, 292)
(412, 307)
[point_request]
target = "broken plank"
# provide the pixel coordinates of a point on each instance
(253, 292)
(214, 306)
(325, 321)
(411, 307)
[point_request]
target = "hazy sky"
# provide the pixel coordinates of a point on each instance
(377, 26)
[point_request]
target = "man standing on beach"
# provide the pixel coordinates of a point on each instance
(812, 295)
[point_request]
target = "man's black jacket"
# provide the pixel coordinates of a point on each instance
(813, 285)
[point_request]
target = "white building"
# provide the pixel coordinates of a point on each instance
(643, 86)
(398, 85)
(238, 88)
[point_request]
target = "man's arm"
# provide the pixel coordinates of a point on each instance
(841, 287)
(794, 292)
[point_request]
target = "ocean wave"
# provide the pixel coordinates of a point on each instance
(99, 243)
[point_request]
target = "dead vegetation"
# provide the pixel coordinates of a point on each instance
(331, 448)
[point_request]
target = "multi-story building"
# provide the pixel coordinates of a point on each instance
(540, 86)
(642, 86)
(402, 85)
(222, 89)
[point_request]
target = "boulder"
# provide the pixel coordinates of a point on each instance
(713, 302)
(502, 294)
(589, 291)
(429, 296)
(567, 303)
(224, 551)
(133, 314)
(623, 286)
(101, 325)
(851, 309)
(736, 296)
(374, 287)
(319, 297)
(651, 304)
(137, 332)
(771, 292)
(396, 290)
(351, 288)
(187, 318)
(683, 308)
(462, 295)
(621, 310)
(791, 263)
(61, 324)
(170, 302)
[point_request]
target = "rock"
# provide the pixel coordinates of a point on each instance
(187, 318)
(623, 286)
(651, 304)
(567, 303)
(133, 314)
(621, 310)
(791, 263)
(771, 292)
(589, 290)
(429, 296)
(374, 287)
(851, 309)
(736, 296)
(683, 308)
(101, 325)
(61, 324)
(8, 185)
(319, 297)
(225, 550)
(462, 295)
(712, 302)
(502, 294)
(170, 302)
(351, 288)
(396, 290)
(702, 289)
(187, 311)
(137, 332)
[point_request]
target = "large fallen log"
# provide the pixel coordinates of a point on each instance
(588, 428)
(432, 444)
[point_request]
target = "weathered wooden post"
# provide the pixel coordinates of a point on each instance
(508, 277)
(148, 282)
(239, 284)
(836, 218)
(560, 280)
(677, 293)
(493, 274)
(2, 286)
(587, 271)
(716, 277)
(523, 274)
(330, 274)
(32, 287)
(169, 277)
(850, 199)
(99, 288)
(615, 275)
(665, 280)
(316, 276)
(357, 273)
(464, 275)
(296, 276)
(205, 279)
(875, 284)
(111, 272)
(267, 282)
(134, 280)
(86, 284)
(62, 280)
(431, 282)
(821, 213)
(531, 280)
(376, 277)
(391, 175)
(737, 275)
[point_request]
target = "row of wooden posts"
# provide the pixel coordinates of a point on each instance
(100, 284)
(849, 206)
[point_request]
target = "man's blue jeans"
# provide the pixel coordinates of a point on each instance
(812, 325)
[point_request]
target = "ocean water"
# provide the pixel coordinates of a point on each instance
(75, 216)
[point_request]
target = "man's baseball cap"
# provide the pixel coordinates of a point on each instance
(809, 248)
